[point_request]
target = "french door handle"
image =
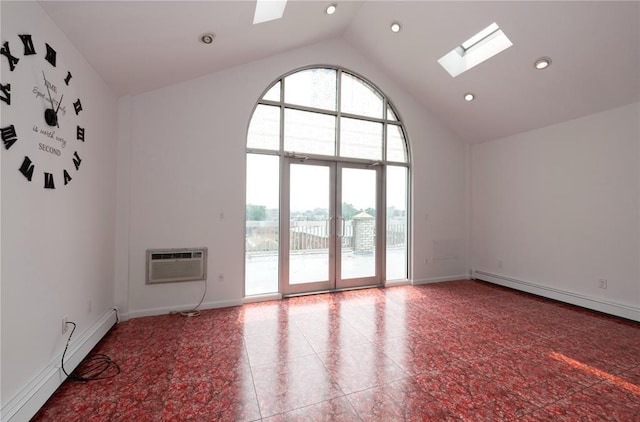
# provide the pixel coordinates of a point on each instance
(341, 226)
(329, 222)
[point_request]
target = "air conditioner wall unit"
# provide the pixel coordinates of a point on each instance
(176, 265)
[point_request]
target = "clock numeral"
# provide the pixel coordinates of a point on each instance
(7, 53)
(77, 106)
(27, 168)
(51, 55)
(68, 78)
(67, 178)
(48, 181)
(80, 133)
(6, 93)
(28, 44)
(76, 160)
(9, 136)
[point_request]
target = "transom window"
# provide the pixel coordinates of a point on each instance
(327, 112)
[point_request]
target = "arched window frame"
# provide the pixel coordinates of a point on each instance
(338, 113)
(391, 116)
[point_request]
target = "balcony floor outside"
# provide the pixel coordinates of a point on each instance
(261, 269)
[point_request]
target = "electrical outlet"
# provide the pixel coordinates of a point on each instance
(602, 283)
(65, 319)
(220, 277)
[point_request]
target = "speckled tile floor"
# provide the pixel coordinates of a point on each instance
(455, 351)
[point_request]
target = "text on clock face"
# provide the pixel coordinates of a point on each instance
(39, 94)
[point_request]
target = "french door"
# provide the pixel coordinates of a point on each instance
(330, 224)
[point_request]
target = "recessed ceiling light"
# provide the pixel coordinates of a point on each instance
(207, 38)
(542, 63)
(482, 46)
(469, 96)
(395, 27)
(331, 9)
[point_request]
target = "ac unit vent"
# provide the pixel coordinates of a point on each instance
(176, 265)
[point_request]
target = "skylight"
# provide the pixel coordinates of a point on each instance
(482, 46)
(268, 10)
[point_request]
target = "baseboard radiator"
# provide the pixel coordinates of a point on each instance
(596, 304)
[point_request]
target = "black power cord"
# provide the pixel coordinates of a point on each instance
(97, 367)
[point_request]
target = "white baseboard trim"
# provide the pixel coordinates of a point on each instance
(166, 310)
(600, 305)
(441, 279)
(261, 298)
(24, 405)
(394, 283)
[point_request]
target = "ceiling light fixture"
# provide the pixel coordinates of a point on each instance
(469, 96)
(331, 9)
(207, 38)
(395, 27)
(542, 63)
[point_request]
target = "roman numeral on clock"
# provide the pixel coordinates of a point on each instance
(68, 78)
(9, 136)
(76, 160)
(5, 90)
(67, 178)
(80, 133)
(48, 181)
(7, 53)
(77, 106)
(27, 168)
(28, 44)
(51, 55)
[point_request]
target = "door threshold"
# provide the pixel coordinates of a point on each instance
(318, 292)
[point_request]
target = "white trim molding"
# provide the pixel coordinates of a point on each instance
(394, 283)
(441, 279)
(24, 405)
(600, 305)
(167, 310)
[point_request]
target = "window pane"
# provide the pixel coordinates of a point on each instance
(264, 129)
(310, 201)
(273, 94)
(391, 115)
(311, 88)
(396, 223)
(311, 133)
(358, 97)
(360, 139)
(396, 150)
(262, 224)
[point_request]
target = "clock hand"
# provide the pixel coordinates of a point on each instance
(59, 104)
(47, 116)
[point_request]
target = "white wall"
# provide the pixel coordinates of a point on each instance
(187, 158)
(559, 208)
(57, 246)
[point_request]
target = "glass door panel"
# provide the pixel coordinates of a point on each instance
(357, 226)
(310, 233)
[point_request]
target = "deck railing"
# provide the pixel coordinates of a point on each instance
(262, 236)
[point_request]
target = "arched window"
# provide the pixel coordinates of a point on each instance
(327, 186)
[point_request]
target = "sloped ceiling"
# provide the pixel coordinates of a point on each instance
(137, 46)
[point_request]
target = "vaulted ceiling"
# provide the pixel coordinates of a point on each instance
(137, 46)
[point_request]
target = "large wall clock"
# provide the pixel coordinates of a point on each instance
(42, 126)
